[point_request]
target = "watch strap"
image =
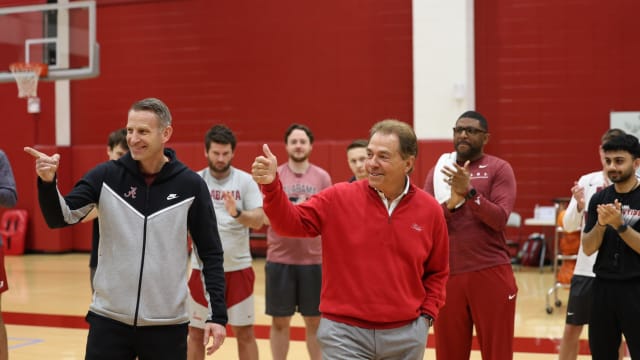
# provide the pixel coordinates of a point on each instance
(622, 228)
(471, 194)
(428, 318)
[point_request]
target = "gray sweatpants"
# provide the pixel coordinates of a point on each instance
(342, 341)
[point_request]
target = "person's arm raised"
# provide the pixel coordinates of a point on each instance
(608, 214)
(253, 218)
(264, 167)
(46, 166)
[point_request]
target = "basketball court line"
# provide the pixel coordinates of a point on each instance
(520, 344)
(22, 342)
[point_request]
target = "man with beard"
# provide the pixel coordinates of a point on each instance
(238, 205)
(581, 292)
(477, 192)
(293, 269)
(612, 228)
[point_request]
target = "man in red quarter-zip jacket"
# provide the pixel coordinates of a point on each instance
(385, 250)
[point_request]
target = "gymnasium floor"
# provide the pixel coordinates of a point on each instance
(49, 295)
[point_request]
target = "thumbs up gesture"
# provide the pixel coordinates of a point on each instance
(264, 167)
(46, 166)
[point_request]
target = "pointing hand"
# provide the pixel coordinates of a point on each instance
(46, 166)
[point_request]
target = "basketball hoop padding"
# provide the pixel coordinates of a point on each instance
(27, 76)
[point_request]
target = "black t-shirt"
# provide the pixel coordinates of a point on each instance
(616, 260)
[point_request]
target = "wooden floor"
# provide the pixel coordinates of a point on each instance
(49, 296)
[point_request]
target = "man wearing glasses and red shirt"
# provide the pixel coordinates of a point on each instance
(477, 192)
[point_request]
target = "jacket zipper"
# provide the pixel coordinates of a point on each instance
(144, 245)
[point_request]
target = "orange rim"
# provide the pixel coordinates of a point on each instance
(40, 68)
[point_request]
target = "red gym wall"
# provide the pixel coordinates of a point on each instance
(547, 75)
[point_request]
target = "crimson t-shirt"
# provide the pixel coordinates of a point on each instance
(298, 187)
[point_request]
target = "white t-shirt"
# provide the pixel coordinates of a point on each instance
(574, 220)
(234, 236)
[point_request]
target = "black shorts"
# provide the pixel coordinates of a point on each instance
(291, 288)
(580, 300)
(110, 339)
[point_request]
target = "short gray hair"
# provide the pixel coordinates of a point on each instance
(157, 107)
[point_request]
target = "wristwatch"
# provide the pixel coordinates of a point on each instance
(472, 192)
(428, 318)
(622, 228)
(238, 212)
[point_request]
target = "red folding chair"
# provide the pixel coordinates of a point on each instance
(13, 227)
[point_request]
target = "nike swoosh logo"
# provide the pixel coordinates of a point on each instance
(172, 196)
(483, 166)
(569, 314)
(511, 297)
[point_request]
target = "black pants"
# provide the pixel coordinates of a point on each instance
(109, 339)
(615, 311)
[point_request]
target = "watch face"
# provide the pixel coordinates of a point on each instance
(471, 194)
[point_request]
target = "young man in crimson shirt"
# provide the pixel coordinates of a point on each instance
(385, 250)
(477, 192)
(293, 270)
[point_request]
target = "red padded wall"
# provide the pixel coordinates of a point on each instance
(257, 66)
(337, 66)
(547, 75)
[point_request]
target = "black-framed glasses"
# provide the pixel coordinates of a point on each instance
(470, 130)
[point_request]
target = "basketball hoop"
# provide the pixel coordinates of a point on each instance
(27, 76)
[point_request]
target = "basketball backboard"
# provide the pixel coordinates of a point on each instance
(61, 35)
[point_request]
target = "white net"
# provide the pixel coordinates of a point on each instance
(27, 76)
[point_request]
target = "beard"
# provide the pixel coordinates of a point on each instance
(299, 158)
(219, 170)
(470, 153)
(620, 177)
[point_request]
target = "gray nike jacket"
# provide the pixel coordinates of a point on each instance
(141, 279)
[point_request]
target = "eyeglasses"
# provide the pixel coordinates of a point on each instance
(470, 130)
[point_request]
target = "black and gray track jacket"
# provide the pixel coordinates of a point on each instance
(141, 279)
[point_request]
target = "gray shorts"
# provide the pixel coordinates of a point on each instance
(291, 288)
(580, 300)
